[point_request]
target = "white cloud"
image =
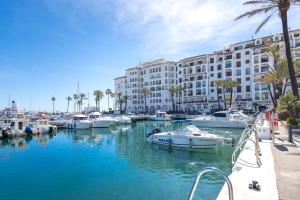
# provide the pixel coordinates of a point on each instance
(175, 27)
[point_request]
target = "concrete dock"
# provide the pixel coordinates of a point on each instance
(279, 172)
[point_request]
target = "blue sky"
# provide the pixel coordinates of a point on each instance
(46, 46)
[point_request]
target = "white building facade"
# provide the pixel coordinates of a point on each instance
(245, 62)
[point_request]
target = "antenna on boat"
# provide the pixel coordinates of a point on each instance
(8, 100)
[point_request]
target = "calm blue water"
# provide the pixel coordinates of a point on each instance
(107, 164)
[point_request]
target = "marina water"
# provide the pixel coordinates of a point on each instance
(114, 163)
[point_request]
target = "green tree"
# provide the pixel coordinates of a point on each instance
(290, 104)
(219, 84)
(125, 99)
(281, 7)
(82, 97)
(173, 91)
(119, 95)
(112, 95)
(145, 91)
(98, 96)
(68, 100)
(232, 84)
(108, 92)
(75, 97)
(53, 100)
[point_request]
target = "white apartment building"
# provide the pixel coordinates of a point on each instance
(158, 76)
(246, 62)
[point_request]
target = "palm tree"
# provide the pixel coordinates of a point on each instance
(219, 84)
(75, 97)
(172, 91)
(125, 99)
(232, 84)
(179, 90)
(82, 97)
(108, 92)
(68, 100)
(53, 100)
(145, 91)
(97, 98)
(282, 7)
(112, 95)
(119, 95)
(224, 84)
(289, 103)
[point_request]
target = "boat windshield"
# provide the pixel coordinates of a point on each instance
(80, 118)
(94, 116)
(189, 128)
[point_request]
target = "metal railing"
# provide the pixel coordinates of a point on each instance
(245, 137)
(209, 169)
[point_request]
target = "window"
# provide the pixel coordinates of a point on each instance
(256, 60)
(248, 88)
(264, 69)
(220, 59)
(239, 80)
(227, 64)
(228, 57)
(265, 96)
(211, 68)
(248, 78)
(219, 75)
(211, 60)
(212, 90)
(228, 73)
(256, 87)
(264, 87)
(192, 64)
(238, 72)
(212, 83)
(247, 52)
(239, 89)
(256, 69)
(238, 56)
(257, 96)
(247, 71)
(219, 67)
(211, 75)
(238, 64)
(198, 84)
(247, 61)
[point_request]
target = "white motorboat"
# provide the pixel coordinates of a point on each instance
(40, 126)
(160, 116)
(223, 119)
(78, 122)
(101, 122)
(123, 119)
(186, 137)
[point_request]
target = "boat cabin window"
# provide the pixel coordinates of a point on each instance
(219, 115)
(80, 118)
(94, 116)
(196, 134)
(20, 126)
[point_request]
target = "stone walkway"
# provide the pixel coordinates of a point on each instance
(287, 165)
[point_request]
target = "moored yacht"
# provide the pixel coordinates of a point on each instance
(160, 116)
(97, 121)
(123, 119)
(78, 122)
(186, 137)
(223, 119)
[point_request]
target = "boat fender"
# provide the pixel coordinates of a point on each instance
(50, 129)
(170, 141)
(232, 142)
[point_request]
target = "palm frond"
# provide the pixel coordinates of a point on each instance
(258, 2)
(256, 11)
(264, 22)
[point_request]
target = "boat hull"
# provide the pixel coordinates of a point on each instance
(184, 142)
(102, 124)
(78, 125)
(220, 124)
